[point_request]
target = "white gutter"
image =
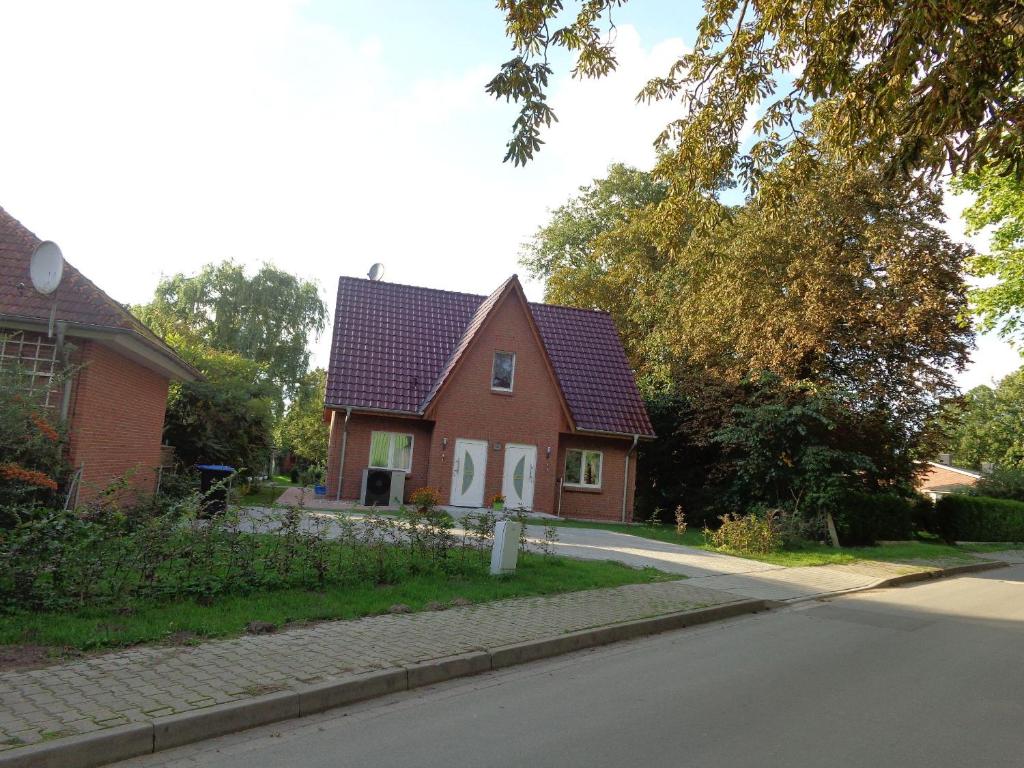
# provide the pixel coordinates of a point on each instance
(625, 476)
(344, 442)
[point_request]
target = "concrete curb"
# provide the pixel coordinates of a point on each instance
(941, 573)
(123, 742)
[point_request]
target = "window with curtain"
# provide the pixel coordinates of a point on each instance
(583, 468)
(391, 450)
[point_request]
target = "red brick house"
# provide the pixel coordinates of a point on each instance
(113, 404)
(478, 396)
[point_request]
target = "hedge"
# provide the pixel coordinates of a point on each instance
(864, 518)
(979, 518)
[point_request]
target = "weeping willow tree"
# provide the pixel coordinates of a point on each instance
(268, 318)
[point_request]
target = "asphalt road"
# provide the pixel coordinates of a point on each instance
(926, 675)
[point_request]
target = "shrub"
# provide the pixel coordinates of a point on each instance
(754, 533)
(979, 518)
(58, 559)
(865, 518)
(31, 455)
(425, 499)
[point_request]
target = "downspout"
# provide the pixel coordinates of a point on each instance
(344, 441)
(625, 476)
(63, 355)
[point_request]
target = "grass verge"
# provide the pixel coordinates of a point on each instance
(809, 554)
(188, 621)
(266, 496)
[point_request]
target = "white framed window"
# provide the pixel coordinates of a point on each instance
(391, 450)
(583, 468)
(503, 371)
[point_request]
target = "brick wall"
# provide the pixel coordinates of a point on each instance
(530, 415)
(116, 420)
(605, 504)
(357, 450)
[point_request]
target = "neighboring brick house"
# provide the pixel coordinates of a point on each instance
(940, 478)
(113, 403)
(478, 396)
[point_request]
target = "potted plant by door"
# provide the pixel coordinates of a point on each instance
(498, 503)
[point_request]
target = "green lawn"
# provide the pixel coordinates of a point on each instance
(188, 621)
(266, 496)
(283, 480)
(811, 554)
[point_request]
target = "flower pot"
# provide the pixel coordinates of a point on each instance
(320, 490)
(498, 506)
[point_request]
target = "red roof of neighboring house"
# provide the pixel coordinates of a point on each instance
(79, 302)
(394, 344)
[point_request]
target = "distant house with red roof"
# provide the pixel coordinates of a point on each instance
(941, 478)
(113, 404)
(478, 396)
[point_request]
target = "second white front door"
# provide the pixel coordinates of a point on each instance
(469, 468)
(518, 480)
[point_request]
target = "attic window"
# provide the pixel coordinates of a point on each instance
(503, 371)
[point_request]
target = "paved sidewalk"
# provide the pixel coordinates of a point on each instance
(141, 684)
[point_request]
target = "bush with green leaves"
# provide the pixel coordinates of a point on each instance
(979, 518)
(109, 557)
(863, 519)
(31, 450)
(756, 533)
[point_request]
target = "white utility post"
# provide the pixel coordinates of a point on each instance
(506, 547)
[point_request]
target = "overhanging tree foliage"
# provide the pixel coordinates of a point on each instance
(916, 86)
(999, 203)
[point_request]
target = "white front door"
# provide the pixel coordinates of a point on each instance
(469, 467)
(520, 471)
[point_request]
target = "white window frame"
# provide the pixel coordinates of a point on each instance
(581, 483)
(512, 382)
(391, 449)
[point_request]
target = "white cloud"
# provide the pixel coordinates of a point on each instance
(150, 139)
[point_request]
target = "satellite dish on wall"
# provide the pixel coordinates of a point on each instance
(46, 267)
(376, 272)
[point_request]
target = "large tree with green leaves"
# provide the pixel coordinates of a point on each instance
(916, 86)
(226, 419)
(999, 204)
(302, 430)
(987, 426)
(858, 288)
(269, 318)
(600, 250)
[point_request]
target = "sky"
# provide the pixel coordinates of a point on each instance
(151, 138)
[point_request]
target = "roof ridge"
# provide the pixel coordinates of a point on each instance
(480, 296)
(409, 285)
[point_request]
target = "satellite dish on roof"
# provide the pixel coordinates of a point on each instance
(376, 272)
(46, 267)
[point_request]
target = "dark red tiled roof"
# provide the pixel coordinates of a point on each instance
(78, 300)
(394, 344)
